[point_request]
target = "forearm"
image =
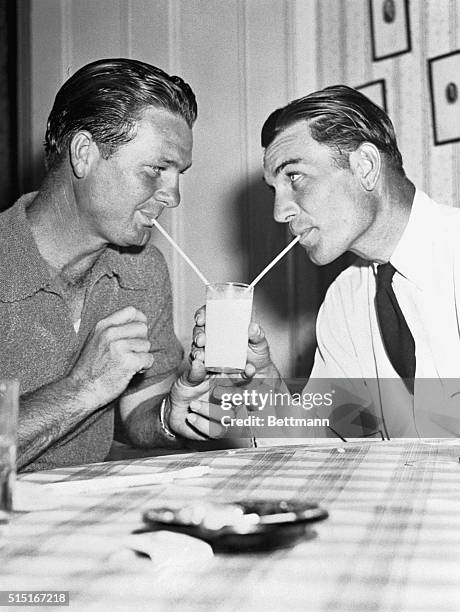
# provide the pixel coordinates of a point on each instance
(143, 427)
(48, 414)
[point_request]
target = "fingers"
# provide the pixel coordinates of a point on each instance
(202, 427)
(197, 372)
(212, 411)
(128, 330)
(126, 315)
(256, 333)
(199, 337)
(249, 371)
(135, 345)
(124, 333)
(189, 387)
(136, 361)
(196, 354)
(145, 361)
(200, 316)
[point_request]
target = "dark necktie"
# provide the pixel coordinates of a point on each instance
(396, 335)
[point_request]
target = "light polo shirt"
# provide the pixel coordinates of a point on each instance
(427, 287)
(38, 341)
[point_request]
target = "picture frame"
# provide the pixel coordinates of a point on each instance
(444, 84)
(390, 28)
(375, 91)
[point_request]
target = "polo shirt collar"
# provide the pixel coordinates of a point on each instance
(23, 271)
(115, 261)
(411, 257)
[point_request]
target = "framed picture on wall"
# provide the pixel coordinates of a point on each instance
(390, 28)
(375, 91)
(444, 79)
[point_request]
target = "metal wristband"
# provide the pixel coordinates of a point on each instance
(164, 427)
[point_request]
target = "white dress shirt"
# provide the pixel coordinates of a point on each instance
(427, 287)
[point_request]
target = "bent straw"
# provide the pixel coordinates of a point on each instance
(181, 252)
(275, 261)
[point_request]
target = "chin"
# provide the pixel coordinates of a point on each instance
(314, 256)
(140, 238)
(136, 240)
(145, 238)
(322, 259)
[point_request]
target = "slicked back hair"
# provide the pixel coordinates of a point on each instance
(106, 98)
(341, 118)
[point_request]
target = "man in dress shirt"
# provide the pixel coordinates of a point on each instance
(333, 164)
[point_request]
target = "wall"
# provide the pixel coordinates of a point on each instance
(345, 56)
(244, 58)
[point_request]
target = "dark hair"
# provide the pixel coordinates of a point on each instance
(106, 98)
(341, 118)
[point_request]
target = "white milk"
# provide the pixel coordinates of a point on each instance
(227, 322)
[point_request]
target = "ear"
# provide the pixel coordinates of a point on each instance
(366, 164)
(82, 152)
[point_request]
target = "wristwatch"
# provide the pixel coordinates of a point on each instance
(163, 425)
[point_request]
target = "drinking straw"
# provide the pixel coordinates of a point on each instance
(181, 252)
(275, 261)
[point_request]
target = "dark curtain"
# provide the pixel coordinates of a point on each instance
(8, 117)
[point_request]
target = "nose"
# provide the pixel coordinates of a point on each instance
(169, 194)
(284, 208)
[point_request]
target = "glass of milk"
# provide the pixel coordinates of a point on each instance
(228, 314)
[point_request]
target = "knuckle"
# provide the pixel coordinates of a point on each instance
(137, 329)
(117, 349)
(99, 325)
(108, 334)
(140, 315)
(130, 311)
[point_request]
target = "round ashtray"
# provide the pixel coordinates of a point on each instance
(248, 525)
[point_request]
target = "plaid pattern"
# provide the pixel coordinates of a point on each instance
(391, 543)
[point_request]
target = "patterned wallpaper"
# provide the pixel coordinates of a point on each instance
(344, 55)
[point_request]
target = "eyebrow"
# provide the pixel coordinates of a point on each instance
(294, 160)
(173, 162)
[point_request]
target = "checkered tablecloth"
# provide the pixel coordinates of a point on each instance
(391, 543)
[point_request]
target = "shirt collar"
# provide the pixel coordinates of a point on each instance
(412, 254)
(115, 261)
(23, 271)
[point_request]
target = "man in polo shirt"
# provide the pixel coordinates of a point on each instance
(85, 299)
